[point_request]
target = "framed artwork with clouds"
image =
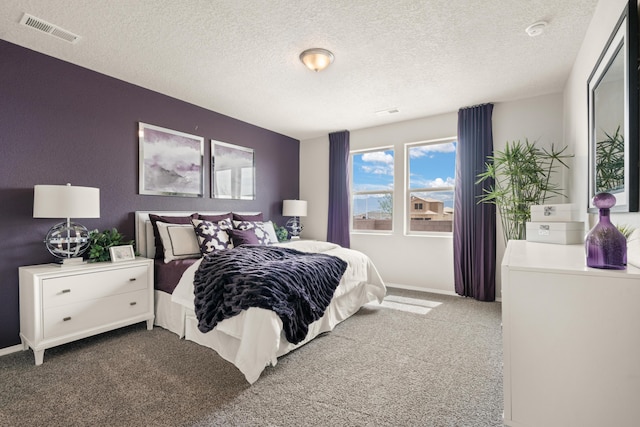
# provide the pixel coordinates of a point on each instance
(171, 162)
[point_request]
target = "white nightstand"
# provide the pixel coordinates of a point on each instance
(63, 304)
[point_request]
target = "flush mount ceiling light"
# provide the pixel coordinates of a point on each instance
(316, 59)
(536, 28)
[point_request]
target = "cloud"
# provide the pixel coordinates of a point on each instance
(378, 157)
(377, 163)
(378, 169)
(439, 182)
(425, 150)
(433, 183)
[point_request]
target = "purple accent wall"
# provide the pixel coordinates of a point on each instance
(62, 123)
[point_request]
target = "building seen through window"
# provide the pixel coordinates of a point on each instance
(431, 185)
(372, 190)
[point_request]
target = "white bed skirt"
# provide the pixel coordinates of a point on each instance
(254, 339)
(169, 315)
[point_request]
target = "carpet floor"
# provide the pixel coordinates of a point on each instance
(385, 366)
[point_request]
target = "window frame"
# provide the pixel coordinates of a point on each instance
(354, 193)
(408, 191)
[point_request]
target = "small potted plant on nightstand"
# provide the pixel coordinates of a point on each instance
(100, 242)
(281, 232)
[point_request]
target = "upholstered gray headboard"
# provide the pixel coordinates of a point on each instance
(145, 242)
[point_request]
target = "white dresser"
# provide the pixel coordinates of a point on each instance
(571, 339)
(63, 304)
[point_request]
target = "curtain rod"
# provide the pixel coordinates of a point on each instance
(475, 106)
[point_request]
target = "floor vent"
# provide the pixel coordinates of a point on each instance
(46, 27)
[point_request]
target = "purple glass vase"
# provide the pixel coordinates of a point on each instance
(605, 245)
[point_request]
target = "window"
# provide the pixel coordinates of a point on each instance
(431, 175)
(372, 190)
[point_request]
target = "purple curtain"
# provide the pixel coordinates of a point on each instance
(474, 224)
(338, 226)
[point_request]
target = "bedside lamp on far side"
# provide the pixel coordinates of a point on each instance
(66, 240)
(295, 209)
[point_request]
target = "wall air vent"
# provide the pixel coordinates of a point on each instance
(46, 27)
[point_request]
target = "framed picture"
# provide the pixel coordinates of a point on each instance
(171, 162)
(232, 171)
(122, 253)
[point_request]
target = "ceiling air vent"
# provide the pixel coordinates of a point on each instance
(46, 27)
(388, 111)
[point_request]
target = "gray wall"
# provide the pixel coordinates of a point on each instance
(421, 262)
(62, 123)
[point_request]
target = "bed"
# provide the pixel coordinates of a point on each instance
(253, 339)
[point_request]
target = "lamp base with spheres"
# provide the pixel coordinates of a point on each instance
(294, 226)
(67, 241)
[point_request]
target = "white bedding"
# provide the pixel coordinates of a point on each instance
(254, 339)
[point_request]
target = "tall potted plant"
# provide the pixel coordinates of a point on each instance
(522, 176)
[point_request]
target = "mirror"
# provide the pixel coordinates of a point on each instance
(613, 117)
(232, 171)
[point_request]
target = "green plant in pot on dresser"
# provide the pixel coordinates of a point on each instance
(522, 176)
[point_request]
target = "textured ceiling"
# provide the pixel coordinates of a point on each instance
(240, 57)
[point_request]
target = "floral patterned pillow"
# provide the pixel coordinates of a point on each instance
(212, 236)
(258, 227)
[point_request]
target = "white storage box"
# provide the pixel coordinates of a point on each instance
(563, 233)
(562, 212)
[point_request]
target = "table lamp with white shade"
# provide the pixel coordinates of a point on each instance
(66, 240)
(295, 209)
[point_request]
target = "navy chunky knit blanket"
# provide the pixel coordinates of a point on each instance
(297, 286)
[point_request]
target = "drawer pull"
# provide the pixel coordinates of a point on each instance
(66, 319)
(65, 291)
(133, 303)
(133, 279)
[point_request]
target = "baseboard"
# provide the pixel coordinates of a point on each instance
(420, 289)
(9, 350)
(430, 290)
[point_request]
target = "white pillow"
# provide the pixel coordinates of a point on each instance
(271, 232)
(179, 241)
(265, 232)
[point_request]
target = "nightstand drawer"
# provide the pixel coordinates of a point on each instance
(72, 289)
(71, 318)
